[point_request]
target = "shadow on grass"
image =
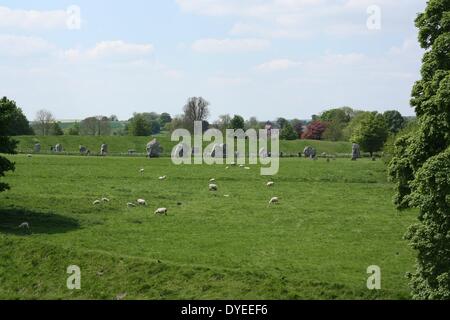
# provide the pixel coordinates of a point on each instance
(39, 222)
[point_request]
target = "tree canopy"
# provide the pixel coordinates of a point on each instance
(421, 163)
(16, 123)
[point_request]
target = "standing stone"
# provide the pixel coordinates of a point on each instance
(103, 149)
(263, 153)
(309, 152)
(58, 148)
(83, 150)
(153, 149)
(37, 148)
(356, 152)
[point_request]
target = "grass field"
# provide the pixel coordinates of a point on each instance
(121, 144)
(334, 220)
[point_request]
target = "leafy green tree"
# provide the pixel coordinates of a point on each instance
(56, 130)
(155, 126)
(7, 145)
(17, 122)
(336, 119)
(139, 126)
(281, 122)
(75, 130)
(394, 121)
(371, 133)
(421, 163)
(237, 122)
(253, 123)
(354, 123)
(164, 118)
(288, 132)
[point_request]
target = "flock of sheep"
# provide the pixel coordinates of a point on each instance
(163, 211)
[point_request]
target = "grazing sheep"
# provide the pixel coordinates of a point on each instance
(29, 155)
(105, 199)
(274, 200)
(270, 184)
(130, 205)
(96, 202)
(241, 166)
(226, 168)
(161, 211)
(25, 225)
(142, 170)
(226, 195)
(212, 180)
(141, 202)
(162, 178)
(247, 168)
(212, 187)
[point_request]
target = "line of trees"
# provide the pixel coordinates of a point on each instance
(369, 129)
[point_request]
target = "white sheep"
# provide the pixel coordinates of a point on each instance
(212, 187)
(212, 180)
(96, 202)
(274, 200)
(105, 199)
(130, 205)
(162, 178)
(247, 168)
(161, 211)
(241, 166)
(141, 202)
(29, 155)
(270, 184)
(226, 195)
(142, 170)
(24, 225)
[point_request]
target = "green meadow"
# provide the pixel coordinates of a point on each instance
(334, 219)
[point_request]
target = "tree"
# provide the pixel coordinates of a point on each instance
(17, 123)
(297, 125)
(113, 118)
(337, 120)
(96, 126)
(223, 123)
(281, 123)
(155, 126)
(56, 130)
(253, 123)
(195, 109)
(394, 121)
(237, 122)
(7, 145)
(354, 123)
(75, 130)
(421, 163)
(165, 118)
(288, 133)
(139, 126)
(43, 122)
(371, 133)
(315, 130)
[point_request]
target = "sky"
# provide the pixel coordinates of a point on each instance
(263, 58)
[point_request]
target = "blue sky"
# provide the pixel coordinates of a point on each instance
(263, 58)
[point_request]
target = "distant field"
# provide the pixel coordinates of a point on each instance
(334, 220)
(121, 144)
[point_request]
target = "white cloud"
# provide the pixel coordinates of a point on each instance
(277, 65)
(229, 45)
(110, 49)
(301, 18)
(21, 46)
(32, 19)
